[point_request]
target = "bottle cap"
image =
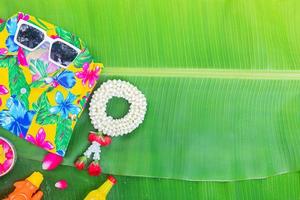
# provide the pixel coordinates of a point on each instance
(112, 179)
(36, 179)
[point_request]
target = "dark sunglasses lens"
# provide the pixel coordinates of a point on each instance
(62, 53)
(30, 36)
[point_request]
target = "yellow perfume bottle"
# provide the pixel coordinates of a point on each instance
(102, 192)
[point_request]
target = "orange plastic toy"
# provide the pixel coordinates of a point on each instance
(102, 192)
(28, 189)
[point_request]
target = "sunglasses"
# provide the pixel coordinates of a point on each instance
(31, 37)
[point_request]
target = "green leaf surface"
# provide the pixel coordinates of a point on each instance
(274, 188)
(230, 130)
(38, 67)
(18, 85)
(222, 83)
(2, 26)
(222, 103)
(63, 133)
(83, 58)
(68, 37)
(6, 62)
(37, 84)
(44, 116)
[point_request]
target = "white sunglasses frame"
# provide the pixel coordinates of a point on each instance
(46, 39)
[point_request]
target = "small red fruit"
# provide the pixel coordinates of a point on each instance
(102, 140)
(94, 169)
(105, 141)
(92, 136)
(81, 162)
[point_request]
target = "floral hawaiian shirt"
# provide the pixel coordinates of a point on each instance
(39, 101)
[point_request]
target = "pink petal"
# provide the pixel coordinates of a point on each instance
(92, 82)
(7, 164)
(85, 66)
(20, 16)
(1, 21)
(9, 155)
(47, 145)
(90, 85)
(97, 70)
(30, 139)
(35, 77)
(6, 147)
(21, 58)
(1, 170)
(3, 51)
(80, 75)
(3, 90)
(26, 17)
(51, 161)
(84, 81)
(62, 184)
(40, 137)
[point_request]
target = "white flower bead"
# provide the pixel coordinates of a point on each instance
(125, 125)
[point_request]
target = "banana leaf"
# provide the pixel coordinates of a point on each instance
(279, 187)
(221, 79)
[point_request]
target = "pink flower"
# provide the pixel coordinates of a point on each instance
(40, 140)
(88, 76)
(8, 155)
(3, 51)
(51, 161)
(23, 16)
(22, 58)
(62, 184)
(3, 91)
(5, 166)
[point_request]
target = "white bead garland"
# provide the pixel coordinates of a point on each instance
(93, 149)
(125, 125)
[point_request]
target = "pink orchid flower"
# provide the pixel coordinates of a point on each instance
(88, 76)
(23, 16)
(3, 91)
(39, 140)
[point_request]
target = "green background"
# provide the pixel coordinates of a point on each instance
(221, 78)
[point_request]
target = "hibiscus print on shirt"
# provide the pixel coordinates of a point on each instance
(39, 140)
(3, 91)
(16, 119)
